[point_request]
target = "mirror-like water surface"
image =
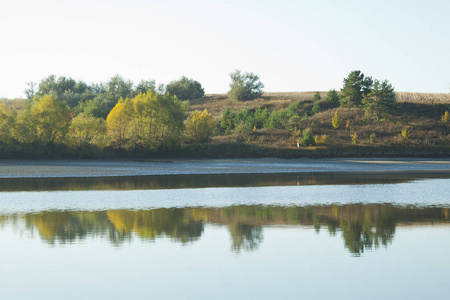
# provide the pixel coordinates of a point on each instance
(270, 237)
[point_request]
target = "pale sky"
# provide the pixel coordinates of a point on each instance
(292, 45)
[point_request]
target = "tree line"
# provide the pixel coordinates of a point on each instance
(122, 115)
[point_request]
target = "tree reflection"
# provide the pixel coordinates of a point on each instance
(245, 237)
(363, 227)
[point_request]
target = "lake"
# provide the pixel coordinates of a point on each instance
(364, 234)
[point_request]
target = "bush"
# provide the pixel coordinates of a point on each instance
(242, 131)
(245, 86)
(405, 133)
(355, 139)
(336, 121)
(308, 137)
(185, 89)
(200, 126)
(445, 117)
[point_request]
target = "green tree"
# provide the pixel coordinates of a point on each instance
(144, 86)
(380, 100)
(30, 91)
(227, 122)
(67, 90)
(200, 126)
(356, 86)
(308, 137)
(185, 89)
(317, 96)
(245, 86)
(332, 98)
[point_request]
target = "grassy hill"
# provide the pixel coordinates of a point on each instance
(417, 114)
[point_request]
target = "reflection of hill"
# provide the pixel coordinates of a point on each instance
(209, 180)
(362, 226)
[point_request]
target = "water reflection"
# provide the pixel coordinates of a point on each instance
(362, 227)
(211, 180)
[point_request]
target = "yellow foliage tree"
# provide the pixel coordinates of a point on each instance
(148, 119)
(7, 123)
(86, 130)
(200, 126)
(117, 121)
(445, 117)
(336, 121)
(50, 119)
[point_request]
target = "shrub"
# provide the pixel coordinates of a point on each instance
(373, 138)
(355, 139)
(316, 108)
(200, 126)
(405, 133)
(185, 89)
(323, 139)
(242, 131)
(308, 137)
(445, 117)
(336, 121)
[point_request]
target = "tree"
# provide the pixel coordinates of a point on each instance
(148, 119)
(144, 86)
(185, 89)
(308, 137)
(317, 96)
(50, 119)
(245, 86)
(380, 100)
(7, 123)
(117, 121)
(336, 121)
(332, 97)
(30, 92)
(356, 86)
(86, 129)
(227, 121)
(200, 126)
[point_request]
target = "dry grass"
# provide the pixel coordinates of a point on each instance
(217, 103)
(423, 97)
(418, 112)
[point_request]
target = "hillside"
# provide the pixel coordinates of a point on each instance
(418, 115)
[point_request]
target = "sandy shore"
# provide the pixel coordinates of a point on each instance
(100, 168)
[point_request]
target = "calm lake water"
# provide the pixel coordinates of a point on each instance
(272, 236)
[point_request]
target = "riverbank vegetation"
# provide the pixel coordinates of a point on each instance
(67, 118)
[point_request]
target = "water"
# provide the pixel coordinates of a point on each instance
(286, 236)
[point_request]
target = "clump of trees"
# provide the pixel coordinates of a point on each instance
(149, 120)
(245, 86)
(185, 89)
(356, 87)
(380, 100)
(259, 118)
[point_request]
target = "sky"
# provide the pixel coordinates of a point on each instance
(293, 45)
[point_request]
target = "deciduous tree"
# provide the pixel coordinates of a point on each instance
(200, 126)
(245, 86)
